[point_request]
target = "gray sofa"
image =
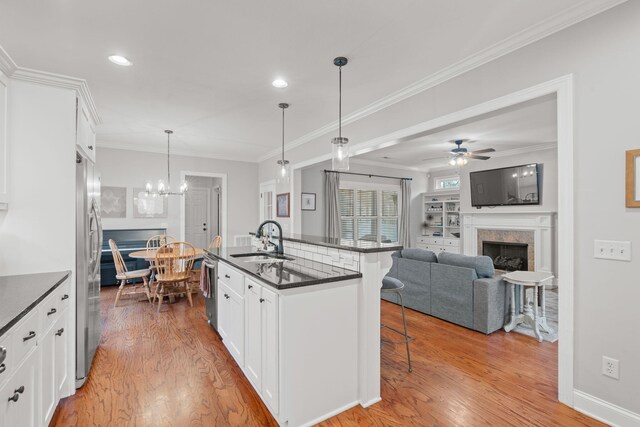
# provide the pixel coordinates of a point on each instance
(458, 288)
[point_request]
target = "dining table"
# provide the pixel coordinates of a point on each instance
(152, 254)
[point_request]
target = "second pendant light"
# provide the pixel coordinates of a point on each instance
(284, 168)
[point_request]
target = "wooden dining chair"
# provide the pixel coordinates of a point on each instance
(123, 275)
(174, 262)
(216, 242)
(154, 243)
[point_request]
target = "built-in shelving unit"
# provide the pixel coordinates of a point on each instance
(441, 226)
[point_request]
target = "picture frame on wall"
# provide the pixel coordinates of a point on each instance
(282, 205)
(149, 206)
(113, 202)
(633, 179)
(308, 201)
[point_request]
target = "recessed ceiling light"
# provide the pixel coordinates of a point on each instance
(120, 60)
(279, 83)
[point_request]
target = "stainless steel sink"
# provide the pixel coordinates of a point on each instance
(261, 257)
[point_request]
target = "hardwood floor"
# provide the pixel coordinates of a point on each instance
(171, 369)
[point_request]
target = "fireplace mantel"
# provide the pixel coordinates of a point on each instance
(542, 224)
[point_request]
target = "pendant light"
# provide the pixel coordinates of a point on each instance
(284, 170)
(340, 151)
(164, 187)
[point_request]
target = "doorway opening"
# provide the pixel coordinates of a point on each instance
(203, 212)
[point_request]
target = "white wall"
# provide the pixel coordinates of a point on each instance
(603, 54)
(37, 232)
(125, 168)
(313, 182)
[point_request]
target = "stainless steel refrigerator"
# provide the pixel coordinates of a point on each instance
(88, 252)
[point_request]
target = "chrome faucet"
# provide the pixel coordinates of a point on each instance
(279, 246)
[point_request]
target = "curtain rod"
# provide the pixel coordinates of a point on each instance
(369, 175)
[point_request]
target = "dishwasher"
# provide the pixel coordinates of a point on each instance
(211, 300)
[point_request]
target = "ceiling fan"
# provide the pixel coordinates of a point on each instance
(460, 156)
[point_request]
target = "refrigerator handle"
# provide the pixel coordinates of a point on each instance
(96, 254)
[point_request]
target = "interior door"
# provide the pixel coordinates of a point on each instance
(197, 217)
(268, 203)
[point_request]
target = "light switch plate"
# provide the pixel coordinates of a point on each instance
(613, 250)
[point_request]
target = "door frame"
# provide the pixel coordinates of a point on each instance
(269, 183)
(563, 88)
(223, 203)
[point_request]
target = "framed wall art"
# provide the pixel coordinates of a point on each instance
(282, 205)
(633, 179)
(308, 201)
(148, 205)
(113, 202)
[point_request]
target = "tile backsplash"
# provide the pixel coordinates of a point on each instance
(335, 257)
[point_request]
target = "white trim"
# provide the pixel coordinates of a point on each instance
(174, 151)
(564, 19)
(366, 162)
(563, 88)
(223, 203)
(7, 66)
(330, 414)
(604, 411)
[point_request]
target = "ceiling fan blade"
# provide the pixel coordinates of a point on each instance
(435, 158)
(484, 150)
(473, 156)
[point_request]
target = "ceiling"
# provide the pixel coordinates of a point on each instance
(526, 126)
(203, 68)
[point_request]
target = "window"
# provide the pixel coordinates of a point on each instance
(368, 214)
(447, 183)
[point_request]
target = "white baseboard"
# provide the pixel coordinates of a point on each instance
(604, 411)
(330, 414)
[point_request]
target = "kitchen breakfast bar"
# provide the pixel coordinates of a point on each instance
(305, 326)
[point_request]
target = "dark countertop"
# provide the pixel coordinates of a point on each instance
(20, 294)
(284, 275)
(364, 246)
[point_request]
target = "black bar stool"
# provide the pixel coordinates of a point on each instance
(392, 285)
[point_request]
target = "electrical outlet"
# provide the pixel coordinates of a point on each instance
(610, 367)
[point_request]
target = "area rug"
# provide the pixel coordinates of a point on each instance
(551, 303)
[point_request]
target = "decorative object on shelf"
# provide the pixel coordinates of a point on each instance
(284, 174)
(164, 187)
(340, 151)
(460, 156)
(308, 201)
(457, 235)
(282, 205)
(147, 205)
(113, 202)
(633, 179)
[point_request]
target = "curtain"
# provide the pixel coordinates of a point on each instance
(331, 205)
(405, 224)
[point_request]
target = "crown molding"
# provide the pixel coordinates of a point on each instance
(534, 33)
(497, 154)
(174, 152)
(13, 71)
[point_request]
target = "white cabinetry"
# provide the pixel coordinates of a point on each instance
(261, 362)
(438, 244)
(85, 131)
(231, 319)
(36, 370)
(4, 164)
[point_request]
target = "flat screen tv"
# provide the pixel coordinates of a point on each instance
(516, 185)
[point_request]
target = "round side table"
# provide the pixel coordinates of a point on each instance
(528, 313)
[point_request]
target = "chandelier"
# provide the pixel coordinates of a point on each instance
(164, 187)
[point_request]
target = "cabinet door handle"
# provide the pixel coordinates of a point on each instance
(226, 296)
(227, 276)
(30, 336)
(3, 368)
(261, 300)
(52, 311)
(90, 147)
(64, 297)
(60, 332)
(19, 390)
(14, 398)
(250, 286)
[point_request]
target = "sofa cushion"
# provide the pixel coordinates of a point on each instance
(419, 255)
(483, 265)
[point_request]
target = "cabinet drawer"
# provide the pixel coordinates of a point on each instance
(232, 278)
(452, 242)
(422, 239)
(25, 336)
(435, 241)
(7, 364)
(50, 310)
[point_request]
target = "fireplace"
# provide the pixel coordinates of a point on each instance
(507, 255)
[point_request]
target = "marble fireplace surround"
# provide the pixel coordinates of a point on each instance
(536, 229)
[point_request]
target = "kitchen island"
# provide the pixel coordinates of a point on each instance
(305, 330)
